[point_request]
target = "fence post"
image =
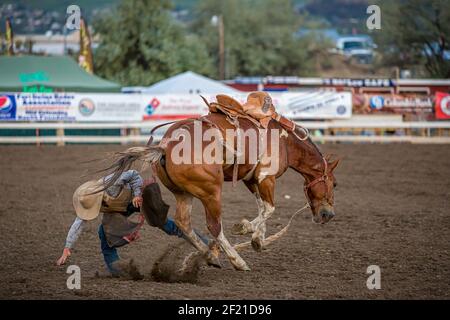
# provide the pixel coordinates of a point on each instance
(60, 135)
(38, 143)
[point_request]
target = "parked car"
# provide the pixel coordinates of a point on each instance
(357, 47)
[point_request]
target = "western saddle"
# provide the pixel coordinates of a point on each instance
(258, 109)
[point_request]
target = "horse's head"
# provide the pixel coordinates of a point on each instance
(320, 192)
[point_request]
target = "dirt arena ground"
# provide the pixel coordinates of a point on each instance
(392, 210)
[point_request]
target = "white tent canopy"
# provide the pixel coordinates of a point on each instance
(185, 83)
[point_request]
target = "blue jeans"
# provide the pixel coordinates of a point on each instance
(172, 230)
(110, 254)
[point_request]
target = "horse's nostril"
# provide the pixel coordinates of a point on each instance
(327, 214)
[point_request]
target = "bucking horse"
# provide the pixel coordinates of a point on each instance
(280, 144)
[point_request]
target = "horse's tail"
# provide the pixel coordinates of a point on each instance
(123, 161)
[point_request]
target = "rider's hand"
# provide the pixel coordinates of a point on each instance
(149, 181)
(66, 253)
(137, 201)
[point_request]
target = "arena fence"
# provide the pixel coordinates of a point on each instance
(351, 131)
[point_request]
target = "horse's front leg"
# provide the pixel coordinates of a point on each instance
(264, 194)
(246, 226)
(266, 190)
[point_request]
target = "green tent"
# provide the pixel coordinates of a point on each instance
(49, 74)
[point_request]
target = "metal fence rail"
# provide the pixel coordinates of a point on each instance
(350, 124)
(131, 132)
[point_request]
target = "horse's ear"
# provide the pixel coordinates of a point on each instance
(333, 164)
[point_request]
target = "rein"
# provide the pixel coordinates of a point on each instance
(304, 129)
(275, 236)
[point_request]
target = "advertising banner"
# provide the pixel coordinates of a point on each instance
(7, 107)
(174, 106)
(87, 107)
(349, 82)
(295, 105)
(395, 103)
(316, 105)
(442, 105)
(72, 107)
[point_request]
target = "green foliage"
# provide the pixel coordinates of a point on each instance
(344, 15)
(142, 44)
(259, 37)
(411, 27)
(61, 5)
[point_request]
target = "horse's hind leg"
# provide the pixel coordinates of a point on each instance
(183, 221)
(213, 213)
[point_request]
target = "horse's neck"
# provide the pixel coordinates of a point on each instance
(304, 157)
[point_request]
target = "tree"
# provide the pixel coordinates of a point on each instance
(416, 32)
(141, 44)
(259, 37)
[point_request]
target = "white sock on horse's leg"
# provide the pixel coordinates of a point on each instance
(251, 226)
(232, 254)
(260, 203)
(196, 241)
(259, 234)
(183, 221)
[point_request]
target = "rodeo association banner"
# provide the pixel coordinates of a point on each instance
(114, 107)
(69, 107)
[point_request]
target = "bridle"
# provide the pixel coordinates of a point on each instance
(323, 178)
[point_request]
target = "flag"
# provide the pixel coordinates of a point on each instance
(85, 56)
(442, 105)
(9, 38)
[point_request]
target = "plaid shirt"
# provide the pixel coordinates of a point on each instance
(129, 179)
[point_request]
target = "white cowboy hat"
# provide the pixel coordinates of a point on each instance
(87, 204)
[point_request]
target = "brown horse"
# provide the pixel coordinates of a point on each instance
(203, 180)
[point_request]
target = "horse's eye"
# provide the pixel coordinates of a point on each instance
(335, 184)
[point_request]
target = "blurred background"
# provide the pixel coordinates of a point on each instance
(322, 60)
(139, 42)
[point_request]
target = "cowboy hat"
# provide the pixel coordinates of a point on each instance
(86, 202)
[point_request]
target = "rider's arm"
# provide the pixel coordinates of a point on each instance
(72, 236)
(134, 180)
(74, 232)
(131, 178)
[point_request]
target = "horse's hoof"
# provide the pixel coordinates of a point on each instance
(213, 261)
(244, 267)
(241, 228)
(215, 264)
(257, 244)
